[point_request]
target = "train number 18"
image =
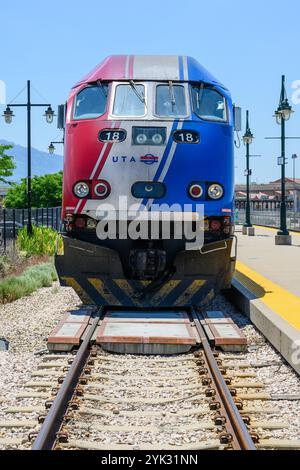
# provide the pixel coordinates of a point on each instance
(186, 137)
(112, 135)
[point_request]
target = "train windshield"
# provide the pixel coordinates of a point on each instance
(90, 102)
(129, 100)
(170, 100)
(209, 104)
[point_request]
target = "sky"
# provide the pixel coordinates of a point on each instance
(246, 45)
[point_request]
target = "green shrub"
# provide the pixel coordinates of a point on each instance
(46, 191)
(43, 241)
(5, 266)
(31, 279)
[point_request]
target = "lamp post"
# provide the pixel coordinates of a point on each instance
(294, 158)
(283, 114)
(8, 116)
(248, 139)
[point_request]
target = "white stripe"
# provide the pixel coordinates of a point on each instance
(170, 156)
(127, 67)
(185, 68)
(167, 164)
(155, 67)
(77, 207)
(101, 155)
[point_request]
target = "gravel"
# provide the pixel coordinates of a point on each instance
(27, 322)
(279, 379)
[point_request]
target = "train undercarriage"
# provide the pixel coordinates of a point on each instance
(149, 278)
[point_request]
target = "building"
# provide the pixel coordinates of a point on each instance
(267, 196)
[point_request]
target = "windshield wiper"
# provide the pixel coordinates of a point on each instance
(100, 84)
(136, 91)
(172, 96)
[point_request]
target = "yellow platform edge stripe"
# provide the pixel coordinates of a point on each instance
(283, 303)
(273, 229)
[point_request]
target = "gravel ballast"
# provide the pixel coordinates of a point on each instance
(27, 322)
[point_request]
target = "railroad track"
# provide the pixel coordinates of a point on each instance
(200, 400)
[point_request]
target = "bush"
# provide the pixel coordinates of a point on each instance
(33, 278)
(46, 192)
(5, 266)
(43, 241)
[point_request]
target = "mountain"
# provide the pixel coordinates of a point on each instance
(42, 162)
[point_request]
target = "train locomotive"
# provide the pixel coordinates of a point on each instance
(154, 131)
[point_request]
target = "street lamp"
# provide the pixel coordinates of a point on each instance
(51, 147)
(283, 114)
(248, 139)
(8, 115)
(49, 114)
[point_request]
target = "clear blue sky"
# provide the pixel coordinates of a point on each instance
(247, 45)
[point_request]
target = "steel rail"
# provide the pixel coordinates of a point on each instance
(235, 425)
(241, 432)
(46, 437)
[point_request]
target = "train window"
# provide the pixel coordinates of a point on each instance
(90, 102)
(170, 100)
(209, 104)
(129, 100)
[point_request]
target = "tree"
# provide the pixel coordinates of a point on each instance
(46, 192)
(6, 163)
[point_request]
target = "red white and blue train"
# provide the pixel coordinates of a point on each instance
(160, 131)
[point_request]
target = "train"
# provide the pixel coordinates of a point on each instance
(148, 135)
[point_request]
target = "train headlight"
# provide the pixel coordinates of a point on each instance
(215, 191)
(149, 135)
(81, 189)
(141, 138)
(157, 139)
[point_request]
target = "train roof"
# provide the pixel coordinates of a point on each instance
(149, 67)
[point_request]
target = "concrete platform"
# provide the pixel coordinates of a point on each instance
(137, 332)
(266, 287)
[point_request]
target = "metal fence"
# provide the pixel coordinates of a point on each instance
(12, 220)
(270, 218)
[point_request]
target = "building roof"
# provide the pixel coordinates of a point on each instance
(266, 187)
(268, 191)
(149, 67)
(288, 180)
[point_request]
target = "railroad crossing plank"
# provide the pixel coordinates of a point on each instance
(223, 332)
(70, 329)
(142, 316)
(143, 332)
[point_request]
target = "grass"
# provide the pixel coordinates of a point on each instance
(43, 241)
(32, 278)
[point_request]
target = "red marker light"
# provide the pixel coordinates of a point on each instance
(195, 190)
(215, 225)
(102, 189)
(80, 222)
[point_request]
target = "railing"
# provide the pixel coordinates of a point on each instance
(12, 220)
(270, 218)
